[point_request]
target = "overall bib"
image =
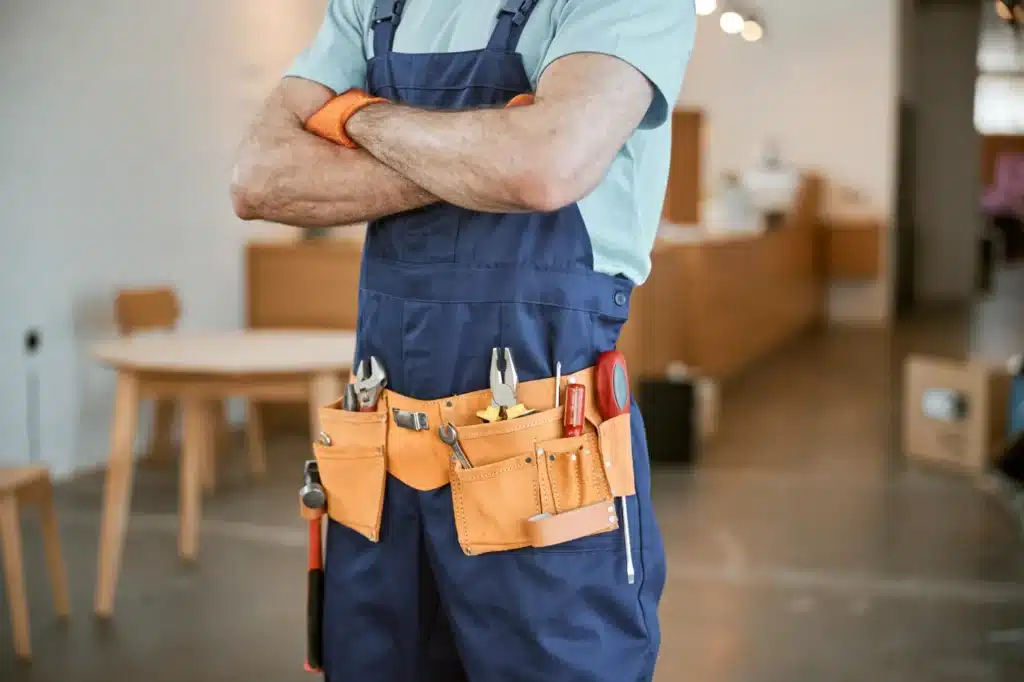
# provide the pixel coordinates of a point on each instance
(440, 287)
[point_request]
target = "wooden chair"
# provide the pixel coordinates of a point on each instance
(23, 486)
(158, 309)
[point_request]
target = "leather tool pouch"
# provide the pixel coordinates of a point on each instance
(531, 488)
(350, 453)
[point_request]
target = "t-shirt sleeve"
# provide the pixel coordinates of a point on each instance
(655, 36)
(336, 57)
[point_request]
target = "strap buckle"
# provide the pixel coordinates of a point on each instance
(387, 10)
(520, 9)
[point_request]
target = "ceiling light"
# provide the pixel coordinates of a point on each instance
(731, 23)
(706, 7)
(752, 30)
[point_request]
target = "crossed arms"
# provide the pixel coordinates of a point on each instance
(534, 158)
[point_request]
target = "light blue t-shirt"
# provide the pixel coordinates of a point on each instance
(655, 36)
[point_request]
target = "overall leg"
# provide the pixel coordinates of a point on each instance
(381, 608)
(560, 614)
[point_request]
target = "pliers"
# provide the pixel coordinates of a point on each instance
(370, 383)
(504, 404)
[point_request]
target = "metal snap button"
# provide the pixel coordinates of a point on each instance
(620, 298)
(324, 440)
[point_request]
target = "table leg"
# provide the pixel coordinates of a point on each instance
(196, 451)
(51, 546)
(117, 491)
(254, 438)
(323, 389)
(14, 575)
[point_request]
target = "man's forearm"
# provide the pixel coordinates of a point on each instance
(289, 176)
(484, 160)
(539, 157)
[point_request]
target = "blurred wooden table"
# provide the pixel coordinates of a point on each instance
(199, 370)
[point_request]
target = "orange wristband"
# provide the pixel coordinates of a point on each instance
(520, 101)
(329, 122)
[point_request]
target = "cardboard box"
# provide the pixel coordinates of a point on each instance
(954, 413)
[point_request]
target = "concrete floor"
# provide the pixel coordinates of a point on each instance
(800, 550)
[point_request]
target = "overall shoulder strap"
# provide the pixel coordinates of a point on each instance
(512, 18)
(386, 15)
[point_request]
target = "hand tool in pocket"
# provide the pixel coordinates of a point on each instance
(313, 497)
(575, 410)
(350, 402)
(450, 436)
(504, 404)
(612, 381)
(371, 379)
(558, 383)
(613, 398)
(312, 493)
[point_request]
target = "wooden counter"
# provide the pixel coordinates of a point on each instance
(720, 303)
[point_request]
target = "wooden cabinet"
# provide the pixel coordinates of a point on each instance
(683, 192)
(722, 303)
(303, 285)
(852, 249)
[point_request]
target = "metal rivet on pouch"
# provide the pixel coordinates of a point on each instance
(324, 439)
(551, 457)
(529, 459)
(448, 404)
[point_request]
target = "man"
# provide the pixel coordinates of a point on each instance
(523, 227)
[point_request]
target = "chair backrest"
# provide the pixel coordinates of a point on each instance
(146, 309)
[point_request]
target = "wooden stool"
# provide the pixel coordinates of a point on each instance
(18, 486)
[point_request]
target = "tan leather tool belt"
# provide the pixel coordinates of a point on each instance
(528, 485)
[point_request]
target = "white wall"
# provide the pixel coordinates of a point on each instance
(948, 149)
(822, 83)
(117, 128)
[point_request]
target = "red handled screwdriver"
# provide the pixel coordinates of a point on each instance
(612, 384)
(613, 400)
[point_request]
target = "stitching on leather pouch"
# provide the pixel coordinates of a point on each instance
(460, 510)
(514, 464)
(554, 488)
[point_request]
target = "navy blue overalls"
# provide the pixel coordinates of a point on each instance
(441, 287)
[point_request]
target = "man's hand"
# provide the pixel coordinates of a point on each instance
(529, 158)
(287, 175)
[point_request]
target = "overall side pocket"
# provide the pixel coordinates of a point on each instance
(350, 454)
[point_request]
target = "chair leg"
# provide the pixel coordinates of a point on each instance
(14, 575)
(254, 438)
(54, 555)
